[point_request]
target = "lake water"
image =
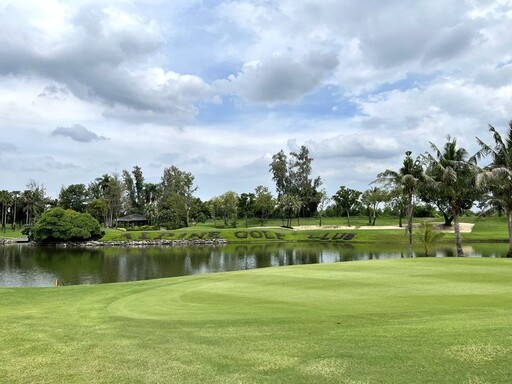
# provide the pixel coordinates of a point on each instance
(25, 266)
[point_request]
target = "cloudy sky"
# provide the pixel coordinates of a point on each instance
(217, 87)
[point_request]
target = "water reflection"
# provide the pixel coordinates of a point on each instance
(21, 265)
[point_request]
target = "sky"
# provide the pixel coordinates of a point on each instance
(216, 88)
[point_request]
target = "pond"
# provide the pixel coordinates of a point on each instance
(26, 266)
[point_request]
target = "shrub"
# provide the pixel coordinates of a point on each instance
(60, 225)
(169, 219)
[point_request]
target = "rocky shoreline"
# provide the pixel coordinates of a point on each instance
(125, 243)
(143, 243)
(12, 241)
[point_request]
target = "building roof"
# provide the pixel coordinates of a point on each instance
(133, 217)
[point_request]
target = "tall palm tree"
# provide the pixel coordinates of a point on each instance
(5, 198)
(453, 173)
(497, 176)
(407, 178)
(15, 195)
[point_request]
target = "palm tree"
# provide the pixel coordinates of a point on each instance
(453, 173)
(497, 176)
(5, 198)
(427, 236)
(15, 195)
(407, 179)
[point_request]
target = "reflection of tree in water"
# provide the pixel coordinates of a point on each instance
(103, 265)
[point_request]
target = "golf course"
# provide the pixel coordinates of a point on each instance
(421, 320)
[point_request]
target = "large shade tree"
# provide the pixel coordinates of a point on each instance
(178, 188)
(453, 172)
(497, 176)
(34, 201)
(73, 197)
(264, 202)
(345, 199)
(294, 184)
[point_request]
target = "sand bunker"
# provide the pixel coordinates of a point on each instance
(464, 227)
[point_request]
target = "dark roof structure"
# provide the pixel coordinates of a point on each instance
(132, 217)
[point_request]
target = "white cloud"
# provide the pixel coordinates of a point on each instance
(279, 79)
(217, 88)
(78, 133)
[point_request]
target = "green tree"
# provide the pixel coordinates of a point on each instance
(293, 178)
(451, 171)
(215, 208)
(15, 196)
(497, 176)
(246, 206)
(179, 183)
(305, 187)
(407, 178)
(97, 208)
(73, 197)
(398, 203)
(60, 225)
(168, 219)
(152, 193)
(345, 198)
(264, 202)
(323, 201)
(427, 236)
(34, 201)
(134, 187)
(110, 189)
(229, 208)
(5, 199)
(372, 198)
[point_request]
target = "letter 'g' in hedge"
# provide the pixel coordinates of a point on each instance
(60, 225)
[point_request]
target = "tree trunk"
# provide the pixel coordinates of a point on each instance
(348, 217)
(509, 220)
(447, 219)
(3, 217)
(410, 211)
(456, 229)
(14, 217)
(187, 209)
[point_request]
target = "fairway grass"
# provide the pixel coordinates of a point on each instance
(392, 321)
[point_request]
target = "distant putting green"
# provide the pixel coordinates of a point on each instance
(392, 321)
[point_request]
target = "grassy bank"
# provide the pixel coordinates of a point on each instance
(395, 321)
(488, 229)
(492, 229)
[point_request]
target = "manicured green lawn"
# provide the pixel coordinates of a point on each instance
(486, 229)
(393, 321)
(9, 233)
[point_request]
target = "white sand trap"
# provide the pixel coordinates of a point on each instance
(464, 227)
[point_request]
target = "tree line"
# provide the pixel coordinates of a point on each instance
(446, 180)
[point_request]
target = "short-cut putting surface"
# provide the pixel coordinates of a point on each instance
(389, 321)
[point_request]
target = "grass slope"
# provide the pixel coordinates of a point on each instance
(394, 321)
(493, 229)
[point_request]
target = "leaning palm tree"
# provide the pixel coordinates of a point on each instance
(453, 174)
(497, 176)
(406, 179)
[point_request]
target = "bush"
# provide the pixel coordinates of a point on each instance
(169, 219)
(59, 225)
